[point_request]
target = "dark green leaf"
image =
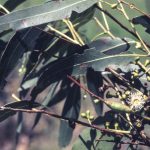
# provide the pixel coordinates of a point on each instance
(78, 64)
(18, 46)
(71, 110)
(4, 114)
(94, 81)
(19, 126)
(21, 4)
(51, 99)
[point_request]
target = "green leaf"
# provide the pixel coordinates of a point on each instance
(98, 57)
(48, 12)
(4, 114)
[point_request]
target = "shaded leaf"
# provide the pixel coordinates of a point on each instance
(18, 46)
(19, 127)
(10, 6)
(94, 82)
(48, 12)
(71, 110)
(47, 49)
(51, 99)
(4, 114)
(19, 4)
(144, 21)
(78, 64)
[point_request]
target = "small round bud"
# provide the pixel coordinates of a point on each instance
(96, 101)
(88, 113)
(138, 123)
(116, 125)
(124, 96)
(84, 96)
(107, 124)
(83, 115)
(138, 45)
(127, 93)
(91, 117)
(148, 78)
(135, 74)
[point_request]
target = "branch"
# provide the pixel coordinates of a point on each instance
(88, 91)
(121, 142)
(116, 132)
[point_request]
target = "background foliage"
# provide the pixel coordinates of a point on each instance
(34, 65)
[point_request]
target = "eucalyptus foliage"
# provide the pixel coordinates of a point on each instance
(97, 80)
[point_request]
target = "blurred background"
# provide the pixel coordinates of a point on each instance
(45, 135)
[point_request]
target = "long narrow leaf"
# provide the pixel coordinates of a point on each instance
(48, 12)
(4, 114)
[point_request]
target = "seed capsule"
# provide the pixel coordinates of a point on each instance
(118, 106)
(114, 6)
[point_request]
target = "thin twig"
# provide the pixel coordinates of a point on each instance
(5, 10)
(132, 6)
(118, 76)
(58, 36)
(133, 27)
(103, 28)
(76, 33)
(95, 37)
(104, 17)
(120, 24)
(88, 91)
(15, 97)
(62, 34)
(121, 142)
(117, 132)
(71, 29)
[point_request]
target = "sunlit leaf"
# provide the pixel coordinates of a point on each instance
(48, 12)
